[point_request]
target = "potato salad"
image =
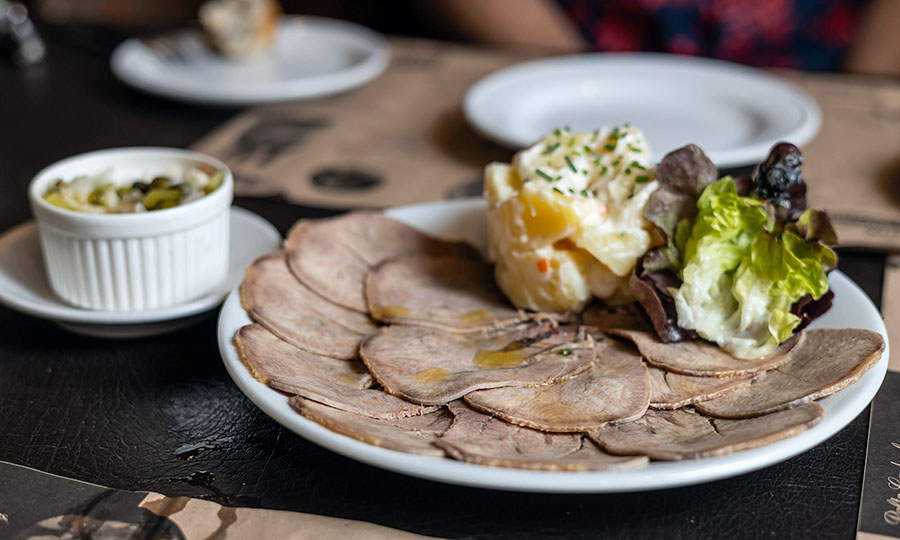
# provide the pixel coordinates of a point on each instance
(565, 217)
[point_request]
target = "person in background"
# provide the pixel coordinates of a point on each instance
(821, 35)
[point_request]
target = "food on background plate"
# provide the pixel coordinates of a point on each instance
(99, 194)
(564, 218)
(240, 29)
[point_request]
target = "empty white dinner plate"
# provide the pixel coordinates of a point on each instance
(733, 112)
(311, 57)
(465, 220)
(24, 286)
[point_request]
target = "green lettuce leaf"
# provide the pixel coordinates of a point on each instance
(742, 273)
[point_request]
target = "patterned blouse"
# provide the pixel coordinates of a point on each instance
(803, 34)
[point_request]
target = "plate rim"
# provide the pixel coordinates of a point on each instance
(656, 476)
(62, 312)
(296, 89)
(800, 135)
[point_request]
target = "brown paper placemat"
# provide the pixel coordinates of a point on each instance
(43, 506)
(403, 139)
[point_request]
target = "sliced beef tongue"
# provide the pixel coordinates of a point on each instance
(478, 438)
(449, 293)
(700, 358)
(624, 317)
(615, 389)
(828, 360)
(434, 367)
(673, 390)
(341, 384)
(274, 298)
(332, 256)
(411, 435)
(683, 434)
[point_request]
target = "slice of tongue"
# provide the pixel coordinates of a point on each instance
(700, 358)
(828, 360)
(274, 298)
(433, 367)
(615, 389)
(412, 435)
(682, 434)
(332, 256)
(447, 293)
(479, 438)
(674, 391)
(341, 384)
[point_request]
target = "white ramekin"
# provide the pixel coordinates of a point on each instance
(133, 262)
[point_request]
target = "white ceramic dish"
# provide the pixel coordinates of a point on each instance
(24, 287)
(138, 261)
(734, 113)
(465, 220)
(311, 57)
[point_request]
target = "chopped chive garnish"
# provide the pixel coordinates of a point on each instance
(637, 165)
(642, 179)
(587, 149)
(633, 149)
(544, 175)
(558, 191)
(596, 161)
(584, 172)
(584, 193)
(526, 180)
(609, 147)
(627, 170)
(630, 195)
(570, 164)
(604, 170)
(565, 352)
(617, 162)
(572, 141)
(557, 132)
(567, 128)
(552, 148)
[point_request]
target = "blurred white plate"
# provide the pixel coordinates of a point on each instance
(465, 220)
(734, 113)
(311, 57)
(24, 287)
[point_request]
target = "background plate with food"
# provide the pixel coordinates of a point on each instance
(310, 57)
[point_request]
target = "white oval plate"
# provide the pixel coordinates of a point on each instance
(465, 220)
(24, 287)
(734, 113)
(311, 57)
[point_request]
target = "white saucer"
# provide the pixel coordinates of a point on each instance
(24, 287)
(734, 113)
(311, 57)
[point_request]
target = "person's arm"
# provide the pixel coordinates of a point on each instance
(876, 48)
(538, 24)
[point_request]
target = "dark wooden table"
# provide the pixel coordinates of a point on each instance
(116, 413)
